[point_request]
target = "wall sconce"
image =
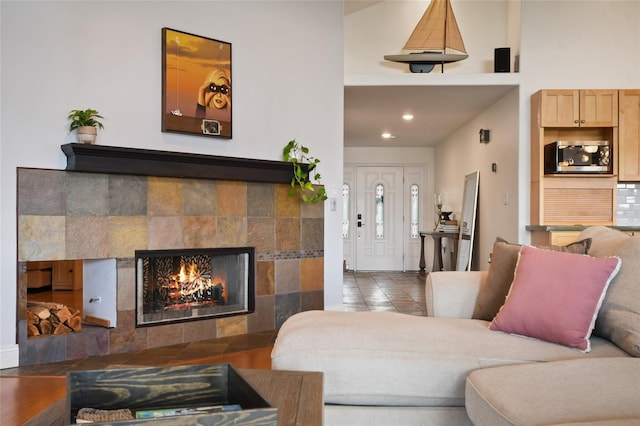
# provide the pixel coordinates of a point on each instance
(485, 136)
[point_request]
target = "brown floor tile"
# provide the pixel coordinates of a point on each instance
(384, 291)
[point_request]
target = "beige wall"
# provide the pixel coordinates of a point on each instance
(462, 153)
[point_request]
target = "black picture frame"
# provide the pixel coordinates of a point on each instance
(196, 85)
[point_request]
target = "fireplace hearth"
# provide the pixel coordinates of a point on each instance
(193, 284)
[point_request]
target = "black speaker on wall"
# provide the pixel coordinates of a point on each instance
(502, 59)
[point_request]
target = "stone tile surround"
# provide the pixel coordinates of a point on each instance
(75, 215)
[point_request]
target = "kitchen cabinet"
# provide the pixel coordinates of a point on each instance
(578, 108)
(573, 199)
(563, 235)
(553, 238)
(629, 136)
(66, 275)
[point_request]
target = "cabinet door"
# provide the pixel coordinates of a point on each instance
(62, 275)
(598, 108)
(562, 238)
(629, 136)
(553, 238)
(560, 108)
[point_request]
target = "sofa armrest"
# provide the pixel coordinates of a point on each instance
(453, 294)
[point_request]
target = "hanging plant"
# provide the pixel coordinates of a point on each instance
(305, 175)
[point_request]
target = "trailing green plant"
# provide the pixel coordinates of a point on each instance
(305, 175)
(86, 117)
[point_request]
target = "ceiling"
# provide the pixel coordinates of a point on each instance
(351, 6)
(438, 110)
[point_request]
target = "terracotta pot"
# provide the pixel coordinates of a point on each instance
(87, 134)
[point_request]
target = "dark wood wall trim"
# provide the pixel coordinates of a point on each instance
(146, 162)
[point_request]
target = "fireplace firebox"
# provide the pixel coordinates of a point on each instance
(193, 284)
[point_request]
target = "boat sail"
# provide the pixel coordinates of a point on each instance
(436, 37)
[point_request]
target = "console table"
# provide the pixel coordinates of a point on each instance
(437, 249)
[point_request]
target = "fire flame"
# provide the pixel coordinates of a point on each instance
(194, 274)
(190, 282)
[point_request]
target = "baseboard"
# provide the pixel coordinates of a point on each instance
(337, 308)
(9, 356)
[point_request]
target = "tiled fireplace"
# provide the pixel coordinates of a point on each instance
(77, 215)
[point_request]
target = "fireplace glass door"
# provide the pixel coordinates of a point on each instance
(183, 285)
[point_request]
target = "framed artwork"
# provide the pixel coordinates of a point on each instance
(196, 85)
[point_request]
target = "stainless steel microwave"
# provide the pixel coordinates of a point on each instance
(578, 157)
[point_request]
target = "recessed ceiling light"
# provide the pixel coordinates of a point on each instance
(407, 117)
(387, 135)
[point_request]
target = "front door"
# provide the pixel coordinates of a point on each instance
(379, 218)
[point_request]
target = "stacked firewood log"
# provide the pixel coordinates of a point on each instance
(52, 318)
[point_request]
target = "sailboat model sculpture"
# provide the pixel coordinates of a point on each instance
(436, 37)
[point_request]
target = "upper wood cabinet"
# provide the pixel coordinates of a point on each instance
(578, 108)
(629, 136)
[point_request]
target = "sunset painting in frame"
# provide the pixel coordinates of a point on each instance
(196, 85)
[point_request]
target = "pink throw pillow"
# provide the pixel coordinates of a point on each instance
(555, 296)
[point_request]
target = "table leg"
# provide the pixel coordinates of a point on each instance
(423, 263)
(454, 260)
(437, 253)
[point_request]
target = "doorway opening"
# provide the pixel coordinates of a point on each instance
(384, 209)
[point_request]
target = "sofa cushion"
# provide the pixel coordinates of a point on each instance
(388, 358)
(619, 316)
(555, 296)
(500, 276)
(600, 391)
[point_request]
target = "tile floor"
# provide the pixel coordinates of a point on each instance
(362, 291)
(384, 291)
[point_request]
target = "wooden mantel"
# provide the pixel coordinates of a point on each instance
(146, 162)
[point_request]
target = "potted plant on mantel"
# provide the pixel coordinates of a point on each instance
(303, 181)
(86, 123)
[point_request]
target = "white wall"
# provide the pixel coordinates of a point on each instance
(573, 44)
(396, 157)
(384, 28)
(287, 83)
(562, 44)
(389, 156)
(462, 153)
(484, 24)
(418, 157)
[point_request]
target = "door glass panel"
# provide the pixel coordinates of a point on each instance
(379, 211)
(345, 210)
(415, 192)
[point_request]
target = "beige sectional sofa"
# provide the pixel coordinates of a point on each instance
(451, 369)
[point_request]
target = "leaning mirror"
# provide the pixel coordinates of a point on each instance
(468, 222)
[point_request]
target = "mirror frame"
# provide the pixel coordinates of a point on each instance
(468, 221)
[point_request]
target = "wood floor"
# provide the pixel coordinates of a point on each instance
(26, 391)
(23, 396)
